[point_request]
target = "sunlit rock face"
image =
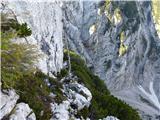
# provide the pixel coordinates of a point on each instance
(22, 112)
(8, 102)
(10, 110)
(132, 76)
(45, 21)
(110, 118)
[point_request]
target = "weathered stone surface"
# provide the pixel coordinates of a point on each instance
(22, 112)
(110, 118)
(9, 109)
(78, 95)
(8, 100)
(60, 112)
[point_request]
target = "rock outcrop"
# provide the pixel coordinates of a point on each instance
(8, 102)
(22, 112)
(110, 118)
(78, 97)
(9, 109)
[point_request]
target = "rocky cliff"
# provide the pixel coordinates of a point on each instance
(123, 51)
(45, 20)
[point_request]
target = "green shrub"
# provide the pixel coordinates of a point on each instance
(84, 112)
(22, 29)
(15, 59)
(62, 74)
(18, 71)
(34, 91)
(7, 24)
(102, 103)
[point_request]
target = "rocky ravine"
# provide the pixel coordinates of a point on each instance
(133, 77)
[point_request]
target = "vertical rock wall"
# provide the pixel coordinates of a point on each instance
(45, 21)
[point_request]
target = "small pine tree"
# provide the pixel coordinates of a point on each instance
(22, 29)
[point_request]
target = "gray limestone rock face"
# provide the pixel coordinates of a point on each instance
(22, 112)
(8, 102)
(110, 118)
(133, 77)
(10, 110)
(45, 21)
